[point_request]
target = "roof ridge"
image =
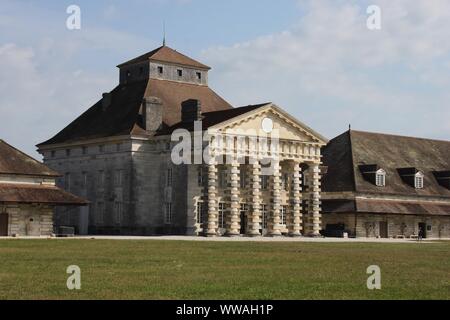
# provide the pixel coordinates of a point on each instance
(399, 136)
(51, 171)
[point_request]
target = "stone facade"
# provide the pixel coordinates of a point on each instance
(134, 187)
(395, 226)
(28, 220)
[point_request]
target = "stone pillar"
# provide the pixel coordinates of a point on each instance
(314, 206)
(295, 216)
(233, 217)
(275, 205)
(254, 219)
(213, 220)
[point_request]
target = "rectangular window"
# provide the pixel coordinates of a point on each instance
(199, 76)
(100, 212)
(168, 213)
(101, 148)
(223, 179)
(221, 215)
(380, 180)
(118, 178)
(284, 181)
(67, 152)
(169, 177)
(200, 212)
(84, 150)
(53, 153)
(118, 212)
(101, 179)
(67, 181)
(243, 178)
(419, 182)
(200, 176)
(180, 72)
(264, 182)
(264, 215)
(84, 179)
(283, 215)
(160, 70)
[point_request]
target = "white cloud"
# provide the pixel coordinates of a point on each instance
(329, 69)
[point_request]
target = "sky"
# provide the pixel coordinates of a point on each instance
(314, 58)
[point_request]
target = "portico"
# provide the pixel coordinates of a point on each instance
(264, 184)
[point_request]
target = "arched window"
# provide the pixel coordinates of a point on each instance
(418, 180)
(380, 178)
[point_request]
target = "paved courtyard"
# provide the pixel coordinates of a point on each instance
(246, 239)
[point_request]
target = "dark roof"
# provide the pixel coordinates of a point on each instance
(210, 119)
(385, 207)
(14, 161)
(123, 117)
(344, 154)
(166, 54)
(24, 193)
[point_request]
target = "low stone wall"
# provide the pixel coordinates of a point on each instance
(369, 225)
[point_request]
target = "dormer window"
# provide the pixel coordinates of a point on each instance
(443, 178)
(180, 72)
(160, 70)
(373, 174)
(412, 176)
(418, 180)
(380, 178)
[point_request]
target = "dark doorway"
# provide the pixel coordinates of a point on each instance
(383, 229)
(243, 222)
(3, 224)
(422, 230)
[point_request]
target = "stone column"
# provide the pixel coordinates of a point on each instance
(275, 205)
(314, 206)
(295, 217)
(233, 217)
(213, 218)
(254, 219)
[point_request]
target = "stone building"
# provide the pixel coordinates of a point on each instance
(28, 195)
(118, 155)
(380, 185)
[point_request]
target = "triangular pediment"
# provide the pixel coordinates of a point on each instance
(288, 127)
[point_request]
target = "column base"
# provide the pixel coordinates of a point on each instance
(210, 235)
(274, 235)
(295, 235)
(232, 235)
(253, 235)
(315, 235)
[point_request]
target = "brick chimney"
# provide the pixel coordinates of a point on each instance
(152, 113)
(191, 110)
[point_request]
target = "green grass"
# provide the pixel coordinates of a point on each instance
(114, 269)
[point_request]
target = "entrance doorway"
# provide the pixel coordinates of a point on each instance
(422, 230)
(4, 224)
(243, 211)
(383, 229)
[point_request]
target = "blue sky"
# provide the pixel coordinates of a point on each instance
(314, 58)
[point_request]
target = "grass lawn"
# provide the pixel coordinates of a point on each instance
(116, 269)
